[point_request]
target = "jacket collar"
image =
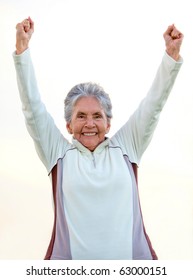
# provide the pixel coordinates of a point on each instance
(97, 150)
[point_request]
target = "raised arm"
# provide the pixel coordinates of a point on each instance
(49, 142)
(136, 134)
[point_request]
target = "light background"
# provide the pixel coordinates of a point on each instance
(119, 44)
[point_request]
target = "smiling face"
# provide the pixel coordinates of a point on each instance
(89, 122)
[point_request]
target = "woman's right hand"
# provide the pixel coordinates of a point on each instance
(24, 32)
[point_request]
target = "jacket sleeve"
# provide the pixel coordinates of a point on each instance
(49, 142)
(136, 134)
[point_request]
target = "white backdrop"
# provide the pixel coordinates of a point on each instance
(119, 44)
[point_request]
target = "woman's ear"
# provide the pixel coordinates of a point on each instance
(108, 127)
(68, 127)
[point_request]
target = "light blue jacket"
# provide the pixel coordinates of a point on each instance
(67, 162)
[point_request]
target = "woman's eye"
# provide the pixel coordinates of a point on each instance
(81, 116)
(98, 116)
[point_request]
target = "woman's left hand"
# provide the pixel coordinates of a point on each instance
(173, 40)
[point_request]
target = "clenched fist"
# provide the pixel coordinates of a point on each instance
(24, 32)
(173, 40)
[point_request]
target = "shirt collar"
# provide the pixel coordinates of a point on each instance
(97, 150)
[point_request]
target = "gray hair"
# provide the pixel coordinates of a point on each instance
(86, 90)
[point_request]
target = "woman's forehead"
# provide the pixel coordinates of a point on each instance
(87, 102)
(88, 106)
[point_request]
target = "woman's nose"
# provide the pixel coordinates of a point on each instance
(90, 123)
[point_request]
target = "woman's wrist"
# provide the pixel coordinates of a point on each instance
(20, 48)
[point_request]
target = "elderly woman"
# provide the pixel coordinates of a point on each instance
(97, 209)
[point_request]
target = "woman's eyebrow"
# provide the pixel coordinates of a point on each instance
(97, 113)
(81, 113)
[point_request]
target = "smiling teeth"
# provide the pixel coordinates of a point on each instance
(89, 134)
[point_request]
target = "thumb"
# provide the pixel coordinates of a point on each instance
(19, 27)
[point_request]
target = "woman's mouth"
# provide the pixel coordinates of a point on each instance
(89, 133)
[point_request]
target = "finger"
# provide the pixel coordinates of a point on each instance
(169, 30)
(19, 27)
(31, 24)
(26, 25)
(176, 34)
